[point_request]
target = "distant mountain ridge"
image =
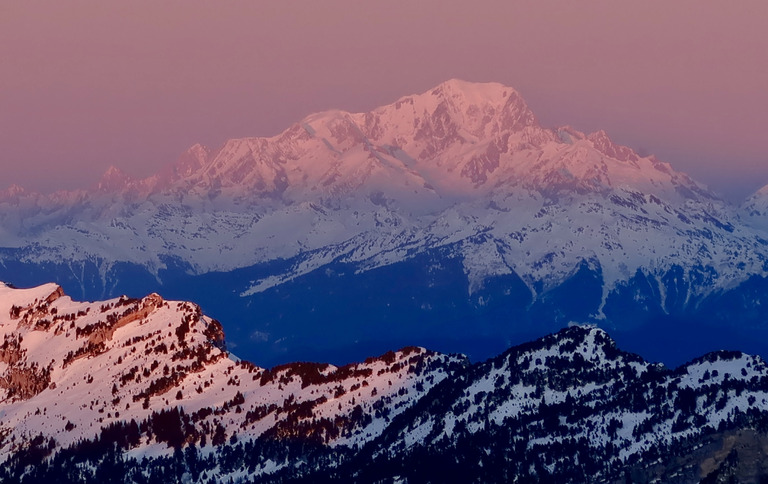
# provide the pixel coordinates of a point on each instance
(143, 390)
(398, 167)
(460, 187)
(453, 138)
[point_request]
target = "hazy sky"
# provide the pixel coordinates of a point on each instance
(88, 84)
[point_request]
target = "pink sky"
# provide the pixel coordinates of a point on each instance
(88, 84)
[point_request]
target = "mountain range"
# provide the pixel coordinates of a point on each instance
(451, 219)
(143, 390)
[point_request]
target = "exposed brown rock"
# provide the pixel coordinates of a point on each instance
(25, 382)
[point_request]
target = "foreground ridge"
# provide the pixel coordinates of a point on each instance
(143, 389)
(154, 375)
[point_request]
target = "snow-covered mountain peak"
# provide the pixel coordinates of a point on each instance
(459, 138)
(603, 143)
(454, 111)
(763, 191)
(584, 343)
(758, 198)
(113, 180)
(463, 94)
(754, 209)
(338, 130)
(15, 189)
(13, 192)
(201, 152)
(323, 117)
(190, 161)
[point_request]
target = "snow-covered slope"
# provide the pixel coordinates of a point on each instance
(571, 407)
(149, 394)
(517, 384)
(70, 371)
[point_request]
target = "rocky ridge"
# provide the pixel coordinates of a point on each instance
(157, 373)
(138, 390)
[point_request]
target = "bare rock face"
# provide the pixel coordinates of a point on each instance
(23, 383)
(10, 351)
